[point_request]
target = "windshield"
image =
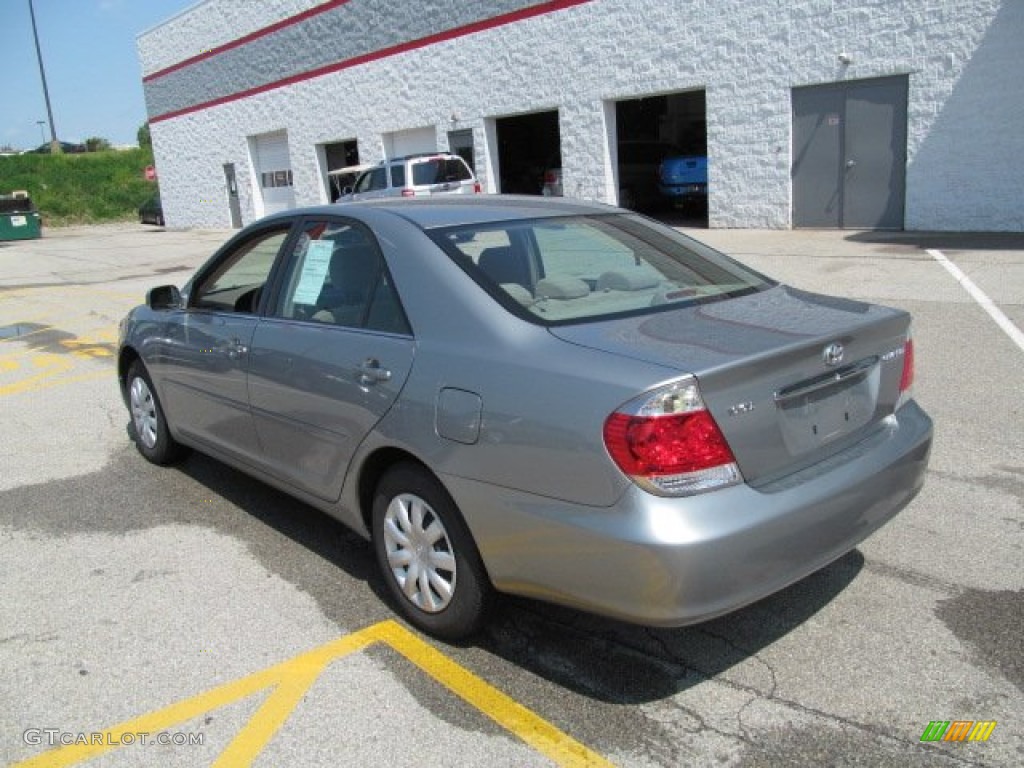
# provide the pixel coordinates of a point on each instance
(563, 270)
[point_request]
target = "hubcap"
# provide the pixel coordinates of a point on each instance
(143, 411)
(419, 552)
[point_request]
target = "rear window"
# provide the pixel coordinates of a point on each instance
(439, 171)
(565, 270)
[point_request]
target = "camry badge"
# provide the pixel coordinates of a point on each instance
(833, 354)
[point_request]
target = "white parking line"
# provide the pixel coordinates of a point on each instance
(979, 296)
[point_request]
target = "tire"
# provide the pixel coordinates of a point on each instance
(149, 426)
(427, 556)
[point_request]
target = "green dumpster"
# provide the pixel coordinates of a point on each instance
(19, 219)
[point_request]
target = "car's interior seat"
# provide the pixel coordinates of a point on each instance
(504, 265)
(355, 270)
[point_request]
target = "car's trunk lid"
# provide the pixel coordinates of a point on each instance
(790, 377)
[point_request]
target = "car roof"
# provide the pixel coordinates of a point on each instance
(454, 210)
(423, 156)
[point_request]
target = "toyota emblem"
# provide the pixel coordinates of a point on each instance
(833, 354)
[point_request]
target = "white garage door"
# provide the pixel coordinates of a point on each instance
(410, 142)
(274, 171)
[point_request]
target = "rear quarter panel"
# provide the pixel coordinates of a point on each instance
(544, 400)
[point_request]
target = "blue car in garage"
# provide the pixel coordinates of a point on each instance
(683, 180)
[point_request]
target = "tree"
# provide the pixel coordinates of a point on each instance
(143, 136)
(96, 144)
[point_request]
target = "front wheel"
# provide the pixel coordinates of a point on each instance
(427, 556)
(149, 426)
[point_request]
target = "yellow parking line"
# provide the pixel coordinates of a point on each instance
(49, 379)
(504, 710)
(90, 345)
(302, 673)
(289, 681)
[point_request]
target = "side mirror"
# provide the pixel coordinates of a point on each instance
(164, 297)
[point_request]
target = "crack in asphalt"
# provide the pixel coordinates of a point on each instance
(746, 735)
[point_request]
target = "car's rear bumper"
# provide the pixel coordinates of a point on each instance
(669, 562)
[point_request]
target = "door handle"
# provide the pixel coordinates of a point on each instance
(237, 349)
(370, 372)
(850, 164)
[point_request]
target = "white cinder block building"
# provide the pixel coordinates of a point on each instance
(901, 114)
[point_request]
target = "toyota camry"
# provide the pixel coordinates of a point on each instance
(535, 396)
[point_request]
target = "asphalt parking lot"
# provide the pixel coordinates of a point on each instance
(191, 616)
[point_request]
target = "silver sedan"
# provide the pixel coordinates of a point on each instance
(535, 396)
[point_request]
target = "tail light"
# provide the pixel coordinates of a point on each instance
(408, 192)
(907, 377)
(668, 443)
(550, 177)
(477, 188)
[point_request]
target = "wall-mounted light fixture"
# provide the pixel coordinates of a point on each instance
(845, 58)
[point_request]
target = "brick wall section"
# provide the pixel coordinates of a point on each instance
(964, 60)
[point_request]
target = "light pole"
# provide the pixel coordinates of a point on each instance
(42, 133)
(54, 144)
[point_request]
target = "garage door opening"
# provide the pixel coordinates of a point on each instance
(662, 150)
(528, 147)
(334, 157)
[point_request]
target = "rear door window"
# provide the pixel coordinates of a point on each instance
(338, 277)
(398, 176)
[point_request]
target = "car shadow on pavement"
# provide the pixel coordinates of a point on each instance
(620, 663)
(312, 529)
(599, 658)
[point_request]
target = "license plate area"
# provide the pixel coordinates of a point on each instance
(820, 411)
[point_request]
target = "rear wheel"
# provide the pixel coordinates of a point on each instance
(427, 556)
(149, 426)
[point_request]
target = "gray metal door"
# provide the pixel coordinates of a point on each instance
(461, 143)
(233, 204)
(850, 154)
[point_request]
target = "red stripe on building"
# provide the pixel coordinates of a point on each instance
(291, 20)
(383, 53)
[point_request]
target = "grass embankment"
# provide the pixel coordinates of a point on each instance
(81, 189)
